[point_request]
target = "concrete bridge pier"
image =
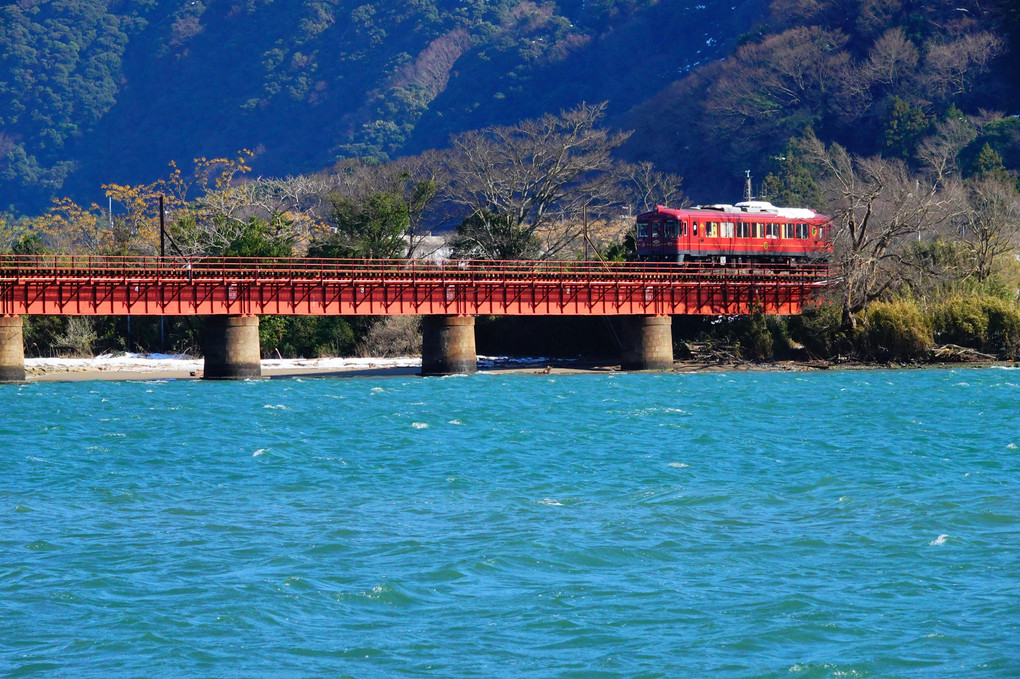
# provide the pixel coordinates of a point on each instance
(231, 348)
(12, 350)
(448, 345)
(647, 343)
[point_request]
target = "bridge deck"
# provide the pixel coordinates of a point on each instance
(175, 286)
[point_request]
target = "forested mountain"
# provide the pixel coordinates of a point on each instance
(877, 76)
(99, 91)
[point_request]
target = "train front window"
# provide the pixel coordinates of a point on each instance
(642, 229)
(656, 229)
(670, 228)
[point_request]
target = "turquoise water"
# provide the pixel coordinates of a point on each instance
(839, 524)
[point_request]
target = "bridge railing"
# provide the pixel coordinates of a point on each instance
(309, 269)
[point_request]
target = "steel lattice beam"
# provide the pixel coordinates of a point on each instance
(68, 285)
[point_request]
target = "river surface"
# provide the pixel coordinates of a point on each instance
(837, 524)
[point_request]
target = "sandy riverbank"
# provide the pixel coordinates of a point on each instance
(170, 367)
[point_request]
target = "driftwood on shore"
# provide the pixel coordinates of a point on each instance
(712, 352)
(954, 352)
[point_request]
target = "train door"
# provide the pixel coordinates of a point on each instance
(727, 232)
(741, 245)
(644, 238)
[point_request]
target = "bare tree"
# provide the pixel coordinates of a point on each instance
(645, 187)
(893, 59)
(950, 67)
(768, 80)
(516, 180)
(421, 180)
(876, 205)
(416, 181)
(939, 152)
(991, 224)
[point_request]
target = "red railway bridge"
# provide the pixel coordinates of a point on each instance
(234, 292)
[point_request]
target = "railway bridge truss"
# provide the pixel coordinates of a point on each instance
(173, 286)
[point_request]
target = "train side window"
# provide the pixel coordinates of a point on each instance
(788, 231)
(711, 229)
(683, 228)
(772, 231)
(694, 228)
(642, 229)
(743, 230)
(759, 230)
(802, 231)
(727, 230)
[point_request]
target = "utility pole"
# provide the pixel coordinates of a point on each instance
(584, 220)
(162, 254)
(162, 229)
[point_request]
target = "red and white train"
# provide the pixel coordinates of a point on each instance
(751, 231)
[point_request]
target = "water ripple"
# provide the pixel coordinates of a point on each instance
(770, 525)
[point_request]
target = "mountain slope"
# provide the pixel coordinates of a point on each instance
(97, 91)
(875, 75)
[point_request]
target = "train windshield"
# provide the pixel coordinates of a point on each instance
(642, 229)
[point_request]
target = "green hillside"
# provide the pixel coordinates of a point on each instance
(94, 91)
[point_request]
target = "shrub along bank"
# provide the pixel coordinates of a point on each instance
(905, 330)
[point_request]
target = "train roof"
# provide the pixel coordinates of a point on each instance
(759, 207)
